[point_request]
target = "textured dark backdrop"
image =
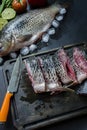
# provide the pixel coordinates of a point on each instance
(72, 30)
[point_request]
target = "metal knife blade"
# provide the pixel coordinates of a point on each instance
(13, 84)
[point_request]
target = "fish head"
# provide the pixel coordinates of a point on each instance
(5, 46)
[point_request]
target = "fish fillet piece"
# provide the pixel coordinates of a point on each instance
(63, 67)
(80, 65)
(49, 72)
(35, 75)
(26, 29)
(80, 74)
(80, 59)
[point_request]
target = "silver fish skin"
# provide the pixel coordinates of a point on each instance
(35, 75)
(26, 29)
(49, 72)
(63, 67)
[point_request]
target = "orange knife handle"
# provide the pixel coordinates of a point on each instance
(5, 107)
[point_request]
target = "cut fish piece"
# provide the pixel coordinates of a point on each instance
(80, 59)
(49, 72)
(80, 74)
(79, 64)
(63, 67)
(35, 75)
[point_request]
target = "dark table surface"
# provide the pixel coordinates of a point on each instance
(72, 30)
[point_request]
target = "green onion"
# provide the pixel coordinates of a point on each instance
(2, 6)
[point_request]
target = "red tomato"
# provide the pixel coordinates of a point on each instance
(19, 5)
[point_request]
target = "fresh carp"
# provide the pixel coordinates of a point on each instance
(26, 29)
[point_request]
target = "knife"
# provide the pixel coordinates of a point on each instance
(12, 88)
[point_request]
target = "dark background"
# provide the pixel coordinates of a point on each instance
(72, 30)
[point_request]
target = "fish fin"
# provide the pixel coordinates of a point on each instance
(23, 38)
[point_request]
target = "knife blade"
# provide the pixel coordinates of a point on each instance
(12, 88)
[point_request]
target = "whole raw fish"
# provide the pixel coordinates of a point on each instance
(26, 29)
